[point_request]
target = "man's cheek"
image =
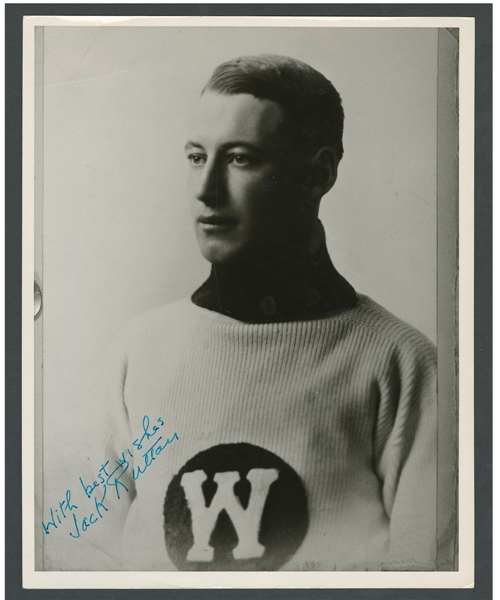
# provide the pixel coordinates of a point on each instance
(272, 184)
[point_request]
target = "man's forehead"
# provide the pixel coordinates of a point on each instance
(220, 116)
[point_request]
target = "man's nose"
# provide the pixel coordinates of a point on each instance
(210, 183)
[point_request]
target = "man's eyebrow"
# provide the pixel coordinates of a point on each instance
(193, 145)
(228, 146)
(242, 144)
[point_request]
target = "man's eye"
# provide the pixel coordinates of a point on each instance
(241, 160)
(196, 160)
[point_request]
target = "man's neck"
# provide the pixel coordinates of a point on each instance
(294, 284)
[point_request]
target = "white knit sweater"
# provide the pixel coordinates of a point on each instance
(346, 404)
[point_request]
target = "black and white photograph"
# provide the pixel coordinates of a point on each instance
(246, 341)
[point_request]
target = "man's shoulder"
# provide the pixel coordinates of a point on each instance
(376, 319)
(153, 322)
(157, 314)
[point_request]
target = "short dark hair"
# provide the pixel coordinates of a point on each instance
(312, 105)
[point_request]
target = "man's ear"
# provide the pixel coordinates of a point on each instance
(323, 171)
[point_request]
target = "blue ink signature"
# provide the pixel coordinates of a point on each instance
(110, 479)
(63, 507)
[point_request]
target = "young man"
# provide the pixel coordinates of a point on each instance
(276, 419)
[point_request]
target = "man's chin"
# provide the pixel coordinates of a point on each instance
(215, 254)
(219, 255)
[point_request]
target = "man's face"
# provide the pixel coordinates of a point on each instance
(245, 195)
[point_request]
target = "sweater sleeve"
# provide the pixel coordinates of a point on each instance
(405, 447)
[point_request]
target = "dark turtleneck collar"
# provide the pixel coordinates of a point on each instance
(283, 289)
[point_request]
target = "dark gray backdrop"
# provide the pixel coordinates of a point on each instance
(482, 14)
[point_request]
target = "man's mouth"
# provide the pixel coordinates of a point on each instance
(214, 221)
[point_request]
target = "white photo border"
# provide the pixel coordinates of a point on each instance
(464, 577)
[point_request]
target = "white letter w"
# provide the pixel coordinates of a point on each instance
(246, 521)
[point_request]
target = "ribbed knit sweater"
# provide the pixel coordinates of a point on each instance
(308, 444)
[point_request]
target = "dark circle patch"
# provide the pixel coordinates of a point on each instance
(234, 507)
